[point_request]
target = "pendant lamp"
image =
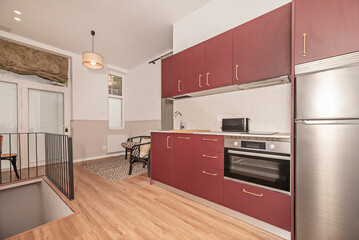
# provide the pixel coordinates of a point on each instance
(91, 59)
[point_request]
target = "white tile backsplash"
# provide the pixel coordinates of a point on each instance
(268, 108)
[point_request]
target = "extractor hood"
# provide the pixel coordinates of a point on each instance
(264, 83)
(257, 84)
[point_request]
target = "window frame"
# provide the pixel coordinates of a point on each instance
(116, 97)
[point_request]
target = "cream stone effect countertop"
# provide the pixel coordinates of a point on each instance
(275, 135)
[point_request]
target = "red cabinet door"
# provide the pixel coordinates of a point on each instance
(210, 184)
(218, 61)
(161, 157)
(210, 159)
(171, 76)
(184, 162)
(262, 204)
(325, 28)
(211, 143)
(193, 69)
(262, 47)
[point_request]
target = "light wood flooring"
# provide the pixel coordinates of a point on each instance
(134, 209)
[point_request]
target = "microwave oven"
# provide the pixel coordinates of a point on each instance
(235, 124)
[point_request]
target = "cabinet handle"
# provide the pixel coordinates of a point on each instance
(179, 86)
(237, 72)
(168, 139)
(254, 194)
(200, 80)
(211, 174)
(209, 139)
(185, 138)
(207, 79)
(304, 47)
(206, 156)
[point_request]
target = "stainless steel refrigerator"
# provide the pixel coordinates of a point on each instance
(327, 155)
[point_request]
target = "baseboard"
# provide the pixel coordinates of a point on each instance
(99, 157)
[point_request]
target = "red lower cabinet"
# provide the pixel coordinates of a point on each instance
(211, 143)
(210, 184)
(184, 162)
(210, 159)
(161, 157)
(268, 206)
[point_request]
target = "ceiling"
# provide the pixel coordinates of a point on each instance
(128, 32)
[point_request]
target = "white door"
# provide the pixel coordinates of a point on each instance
(46, 111)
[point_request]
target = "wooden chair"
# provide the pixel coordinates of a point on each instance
(8, 156)
(132, 142)
(141, 152)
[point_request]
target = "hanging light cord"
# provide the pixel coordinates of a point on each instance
(93, 35)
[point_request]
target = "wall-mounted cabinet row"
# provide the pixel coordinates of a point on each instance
(261, 48)
(258, 49)
(195, 164)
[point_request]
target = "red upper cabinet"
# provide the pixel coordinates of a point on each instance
(262, 47)
(172, 84)
(193, 69)
(218, 61)
(325, 28)
(161, 157)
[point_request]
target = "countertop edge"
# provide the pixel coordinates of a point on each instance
(276, 135)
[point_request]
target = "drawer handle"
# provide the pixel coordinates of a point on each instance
(254, 194)
(207, 79)
(206, 156)
(184, 138)
(179, 86)
(168, 139)
(199, 80)
(237, 72)
(211, 174)
(304, 42)
(209, 139)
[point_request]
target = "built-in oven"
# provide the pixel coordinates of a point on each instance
(260, 161)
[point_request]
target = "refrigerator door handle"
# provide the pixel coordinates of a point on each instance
(329, 122)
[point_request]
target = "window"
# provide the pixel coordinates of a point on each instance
(115, 102)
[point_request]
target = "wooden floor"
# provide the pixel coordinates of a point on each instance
(134, 209)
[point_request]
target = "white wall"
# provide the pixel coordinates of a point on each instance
(218, 16)
(267, 108)
(143, 92)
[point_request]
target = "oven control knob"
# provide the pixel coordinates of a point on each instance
(235, 144)
(272, 146)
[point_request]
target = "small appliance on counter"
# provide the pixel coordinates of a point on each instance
(235, 124)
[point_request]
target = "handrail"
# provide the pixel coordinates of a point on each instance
(36, 154)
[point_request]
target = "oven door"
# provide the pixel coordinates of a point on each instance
(267, 170)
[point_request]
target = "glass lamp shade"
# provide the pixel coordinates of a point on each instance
(92, 60)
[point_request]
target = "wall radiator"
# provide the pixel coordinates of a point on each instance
(114, 143)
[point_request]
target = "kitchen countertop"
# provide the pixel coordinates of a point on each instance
(276, 135)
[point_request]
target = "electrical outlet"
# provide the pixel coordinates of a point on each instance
(104, 147)
(220, 117)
